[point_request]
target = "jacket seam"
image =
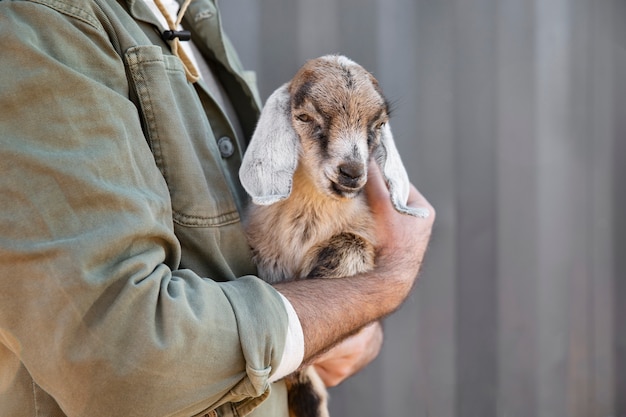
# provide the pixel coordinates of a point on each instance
(223, 219)
(152, 128)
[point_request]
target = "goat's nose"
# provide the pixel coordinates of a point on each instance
(350, 173)
(351, 170)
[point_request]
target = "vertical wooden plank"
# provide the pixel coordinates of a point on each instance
(552, 278)
(432, 121)
(562, 182)
(517, 213)
(580, 283)
(601, 216)
(552, 107)
(619, 202)
(476, 310)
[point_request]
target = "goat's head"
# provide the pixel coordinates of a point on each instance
(338, 112)
(330, 118)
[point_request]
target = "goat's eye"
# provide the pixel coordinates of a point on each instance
(305, 118)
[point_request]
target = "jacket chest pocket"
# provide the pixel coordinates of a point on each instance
(181, 139)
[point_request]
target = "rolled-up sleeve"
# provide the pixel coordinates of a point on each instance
(92, 299)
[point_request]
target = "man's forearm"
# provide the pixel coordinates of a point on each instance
(332, 309)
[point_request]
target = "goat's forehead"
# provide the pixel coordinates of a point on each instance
(336, 83)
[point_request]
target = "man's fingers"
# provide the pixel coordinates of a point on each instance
(377, 190)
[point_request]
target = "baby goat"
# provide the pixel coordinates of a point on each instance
(305, 168)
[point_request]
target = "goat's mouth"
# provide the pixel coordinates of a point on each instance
(348, 179)
(344, 190)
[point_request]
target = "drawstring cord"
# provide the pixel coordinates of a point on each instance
(190, 70)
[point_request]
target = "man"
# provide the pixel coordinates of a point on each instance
(126, 283)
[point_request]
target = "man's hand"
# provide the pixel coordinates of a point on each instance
(401, 239)
(350, 356)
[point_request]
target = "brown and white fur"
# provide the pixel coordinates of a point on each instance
(305, 169)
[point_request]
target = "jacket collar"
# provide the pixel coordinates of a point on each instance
(139, 10)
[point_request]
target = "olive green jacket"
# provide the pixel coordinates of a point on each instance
(126, 285)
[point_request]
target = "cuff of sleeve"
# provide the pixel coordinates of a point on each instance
(293, 354)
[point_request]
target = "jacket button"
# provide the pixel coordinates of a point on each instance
(226, 147)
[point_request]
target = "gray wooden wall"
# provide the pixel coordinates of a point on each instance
(511, 118)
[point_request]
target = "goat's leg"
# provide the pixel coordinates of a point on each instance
(307, 394)
(343, 255)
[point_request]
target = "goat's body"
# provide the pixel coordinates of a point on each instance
(313, 220)
(293, 239)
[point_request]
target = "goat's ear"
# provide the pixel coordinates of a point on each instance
(268, 165)
(388, 158)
